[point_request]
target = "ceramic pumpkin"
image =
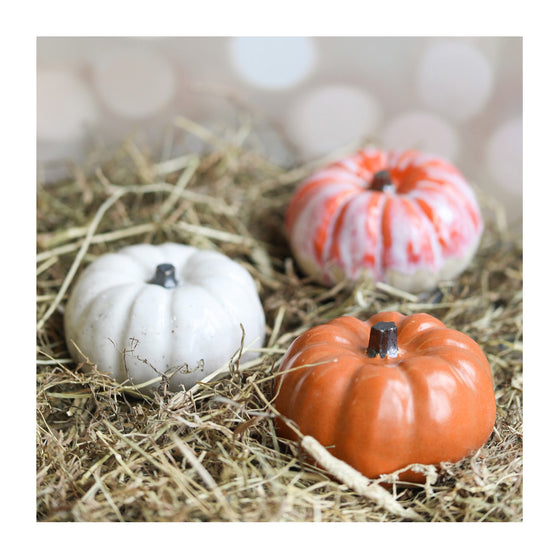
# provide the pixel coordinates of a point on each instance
(150, 309)
(404, 218)
(388, 392)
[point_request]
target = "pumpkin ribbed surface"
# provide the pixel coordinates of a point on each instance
(421, 229)
(433, 402)
(137, 330)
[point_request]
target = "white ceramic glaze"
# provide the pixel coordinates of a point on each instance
(136, 330)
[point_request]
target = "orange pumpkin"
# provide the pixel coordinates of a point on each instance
(405, 218)
(388, 392)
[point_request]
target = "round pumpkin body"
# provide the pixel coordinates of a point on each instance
(429, 402)
(404, 218)
(152, 309)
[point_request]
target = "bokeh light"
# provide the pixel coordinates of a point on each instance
(454, 79)
(422, 131)
(504, 154)
(65, 106)
(332, 116)
(133, 82)
(273, 62)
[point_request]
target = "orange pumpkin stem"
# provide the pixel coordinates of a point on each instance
(383, 340)
(381, 180)
(164, 276)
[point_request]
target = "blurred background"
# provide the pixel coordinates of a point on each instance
(458, 97)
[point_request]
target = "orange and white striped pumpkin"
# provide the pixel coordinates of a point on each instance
(401, 217)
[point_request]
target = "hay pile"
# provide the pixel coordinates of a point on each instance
(211, 454)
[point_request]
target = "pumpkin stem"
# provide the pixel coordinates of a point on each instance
(164, 276)
(383, 340)
(381, 180)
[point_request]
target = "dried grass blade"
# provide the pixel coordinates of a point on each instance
(181, 185)
(212, 233)
(204, 474)
(355, 480)
(78, 259)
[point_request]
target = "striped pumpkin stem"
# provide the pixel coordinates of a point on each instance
(381, 180)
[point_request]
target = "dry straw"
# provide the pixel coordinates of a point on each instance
(211, 453)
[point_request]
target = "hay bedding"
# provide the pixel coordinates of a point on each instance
(211, 454)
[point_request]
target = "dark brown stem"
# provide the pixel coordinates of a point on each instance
(164, 276)
(383, 340)
(381, 180)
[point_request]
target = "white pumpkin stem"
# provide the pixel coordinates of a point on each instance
(383, 340)
(164, 276)
(381, 180)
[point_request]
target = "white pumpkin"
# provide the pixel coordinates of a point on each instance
(152, 309)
